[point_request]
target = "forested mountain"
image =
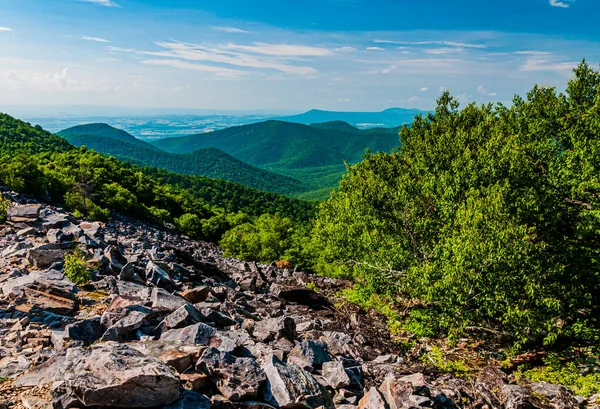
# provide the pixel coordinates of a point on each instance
(388, 118)
(38, 162)
(314, 155)
(208, 162)
(103, 131)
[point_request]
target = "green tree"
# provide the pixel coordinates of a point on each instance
(483, 217)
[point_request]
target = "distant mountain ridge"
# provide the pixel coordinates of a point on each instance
(389, 118)
(209, 162)
(314, 154)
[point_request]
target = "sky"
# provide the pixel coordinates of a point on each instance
(347, 55)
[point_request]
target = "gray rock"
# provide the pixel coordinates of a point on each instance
(199, 334)
(115, 375)
(130, 272)
(165, 301)
(24, 213)
(123, 323)
(275, 328)
(180, 356)
(236, 378)
(88, 331)
(55, 221)
(40, 257)
(310, 353)
(182, 317)
(190, 400)
(159, 277)
(289, 386)
(335, 374)
(216, 317)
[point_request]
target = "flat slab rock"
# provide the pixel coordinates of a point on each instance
(115, 375)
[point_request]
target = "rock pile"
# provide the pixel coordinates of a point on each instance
(168, 322)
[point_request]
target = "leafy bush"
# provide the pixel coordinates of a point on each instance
(582, 380)
(76, 270)
(487, 216)
(4, 207)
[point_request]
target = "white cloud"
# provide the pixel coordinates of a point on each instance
(344, 100)
(531, 52)
(447, 50)
(442, 88)
(105, 3)
(375, 49)
(281, 50)
(446, 43)
(94, 39)
(484, 91)
(220, 71)
(414, 99)
(233, 30)
(388, 69)
(537, 64)
(121, 49)
(5, 29)
(424, 89)
(274, 59)
(557, 3)
(346, 49)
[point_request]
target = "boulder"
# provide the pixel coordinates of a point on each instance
(335, 374)
(88, 331)
(180, 356)
(396, 393)
(236, 378)
(190, 400)
(275, 328)
(310, 353)
(184, 316)
(373, 400)
(199, 334)
(40, 257)
(289, 386)
(558, 395)
(165, 301)
(123, 323)
(115, 375)
(24, 213)
(159, 277)
(196, 295)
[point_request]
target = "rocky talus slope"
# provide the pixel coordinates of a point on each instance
(167, 322)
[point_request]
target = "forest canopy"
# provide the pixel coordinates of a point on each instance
(485, 217)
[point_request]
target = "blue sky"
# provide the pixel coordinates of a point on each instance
(287, 54)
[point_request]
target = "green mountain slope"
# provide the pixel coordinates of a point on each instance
(209, 162)
(278, 144)
(104, 131)
(314, 154)
(389, 118)
(37, 162)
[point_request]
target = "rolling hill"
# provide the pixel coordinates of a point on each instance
(389, 118)
(104, 131)
(35, 161)
(285, 144)
(209, 162)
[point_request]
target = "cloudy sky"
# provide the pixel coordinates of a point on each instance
(287, 54)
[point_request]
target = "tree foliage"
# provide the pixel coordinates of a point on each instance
(483, 217)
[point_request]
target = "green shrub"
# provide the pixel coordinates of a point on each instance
(4, 207)
(582, 379)
(76, 270)
(486, 216)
